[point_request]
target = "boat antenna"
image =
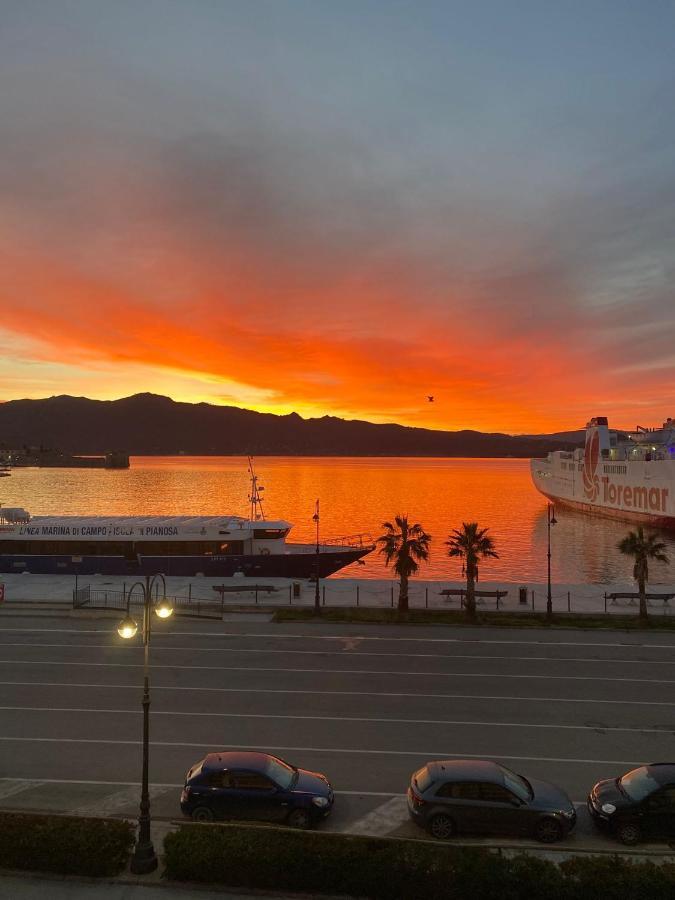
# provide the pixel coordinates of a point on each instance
(255, 498)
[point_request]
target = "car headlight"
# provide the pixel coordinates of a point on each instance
(321, 802)
(568, 813)
(608, 808)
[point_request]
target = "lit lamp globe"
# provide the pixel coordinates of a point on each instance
(127, 628)
(163, 609)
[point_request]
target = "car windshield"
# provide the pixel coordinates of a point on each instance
(517, 784)
(638, 784)
(280, 772)
(422, 779)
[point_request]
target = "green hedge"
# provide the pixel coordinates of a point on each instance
(68, 845)
(385, 869)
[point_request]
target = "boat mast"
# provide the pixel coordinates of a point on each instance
(255, 498)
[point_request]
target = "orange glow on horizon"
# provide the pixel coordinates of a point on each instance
(363, 352)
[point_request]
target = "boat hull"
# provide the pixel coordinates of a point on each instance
(286, 565)
(667, 522)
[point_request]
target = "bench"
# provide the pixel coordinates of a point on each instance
(631, 596)
(237, 589)
(479, 595)
(223, 589)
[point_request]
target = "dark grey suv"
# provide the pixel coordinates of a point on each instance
(481, 797)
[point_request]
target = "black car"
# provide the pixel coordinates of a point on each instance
(482, 797)
(639, 804)
(256, 787)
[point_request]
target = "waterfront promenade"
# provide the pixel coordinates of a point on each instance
(345, 592)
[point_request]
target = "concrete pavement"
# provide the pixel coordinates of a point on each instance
(366, 705)
(30, 888)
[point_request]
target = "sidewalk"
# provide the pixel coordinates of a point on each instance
(27, 593)
(29, 887)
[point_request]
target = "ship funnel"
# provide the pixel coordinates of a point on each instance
(598, 426)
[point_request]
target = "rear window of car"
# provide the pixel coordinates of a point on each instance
(423, 779)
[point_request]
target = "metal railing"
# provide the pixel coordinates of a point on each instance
(93, 598)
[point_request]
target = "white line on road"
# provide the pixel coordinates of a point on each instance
(344, 653)
(113, 803)
(332, 637)
(16, 786)
(309, 692)
(427, 754)
(369, 672)
(374, 721)
(381, 820)
(136, 784)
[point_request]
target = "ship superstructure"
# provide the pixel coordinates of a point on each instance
(624, 474)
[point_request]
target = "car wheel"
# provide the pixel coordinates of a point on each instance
(549, 831)
(441, 826)
(202, 814)
(628, 832)
(299, 818)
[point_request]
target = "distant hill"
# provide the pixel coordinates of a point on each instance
(147, 424)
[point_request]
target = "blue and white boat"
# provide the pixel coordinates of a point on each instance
(213, 546)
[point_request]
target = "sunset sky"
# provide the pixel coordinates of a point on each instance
(341, 207)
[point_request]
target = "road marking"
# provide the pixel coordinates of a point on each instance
(120, 800)
(351, 652)
(368, 672)
(375, 721)
(307, 692)
(16, 786)
(330, 637)
(427, 754)
(382, 820)
(137, 784)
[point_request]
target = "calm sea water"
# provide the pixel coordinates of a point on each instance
(356, 495)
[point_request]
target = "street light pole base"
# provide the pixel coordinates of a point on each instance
(144, 859)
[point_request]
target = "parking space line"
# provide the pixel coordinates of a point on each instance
(13, 786)
(177, 785)
(117, 801)
(381, 820)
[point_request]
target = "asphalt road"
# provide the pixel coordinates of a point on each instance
(365, 705)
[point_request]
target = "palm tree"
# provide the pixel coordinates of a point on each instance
(642, 547)
(406, 546)
(471, 544)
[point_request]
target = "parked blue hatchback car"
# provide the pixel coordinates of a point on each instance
(247, 785)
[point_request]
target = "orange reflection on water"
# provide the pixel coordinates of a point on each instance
(357, 495)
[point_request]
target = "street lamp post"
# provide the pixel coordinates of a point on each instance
(144, 859)
(317, 598)
(550, 520)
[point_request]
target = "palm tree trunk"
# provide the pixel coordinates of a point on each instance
(644, 616)
(403, 596)
(470, 596)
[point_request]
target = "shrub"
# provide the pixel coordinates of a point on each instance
(281, 859)
(617, 878)
(259, 857)
(68, 845)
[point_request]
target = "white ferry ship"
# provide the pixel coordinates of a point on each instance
(623, 474)
(213, 546)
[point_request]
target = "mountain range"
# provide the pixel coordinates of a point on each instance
(149, 424)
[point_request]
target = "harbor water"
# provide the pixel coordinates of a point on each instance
(357, 495)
